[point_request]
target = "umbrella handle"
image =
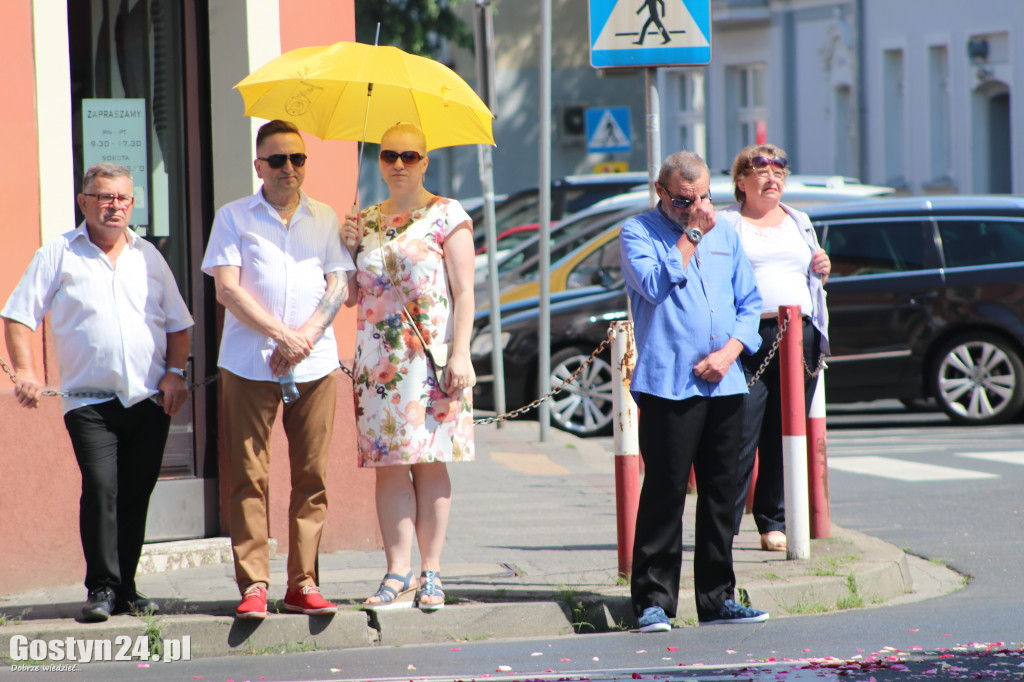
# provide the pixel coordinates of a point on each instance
(362, 142)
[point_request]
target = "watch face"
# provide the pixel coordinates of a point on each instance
(694, 235)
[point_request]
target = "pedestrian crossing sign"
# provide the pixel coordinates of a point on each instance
(642, 33)
(608, 130)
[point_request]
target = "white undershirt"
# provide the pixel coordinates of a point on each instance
(782, 263)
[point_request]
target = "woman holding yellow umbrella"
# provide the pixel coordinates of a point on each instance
(414, 289)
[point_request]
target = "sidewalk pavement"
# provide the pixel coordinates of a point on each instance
(530, 552)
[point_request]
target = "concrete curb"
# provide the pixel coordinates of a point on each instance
(886, 577)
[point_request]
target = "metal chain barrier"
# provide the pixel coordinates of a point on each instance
(51, 392)
(812, 373)
(512, 414)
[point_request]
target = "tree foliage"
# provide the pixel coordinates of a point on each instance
(416, 26)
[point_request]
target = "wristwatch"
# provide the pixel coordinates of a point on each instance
(694, 234)
(180, 372)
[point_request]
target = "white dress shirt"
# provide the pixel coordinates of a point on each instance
(110, 323)
(283, 269)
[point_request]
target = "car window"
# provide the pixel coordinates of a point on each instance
(871, 248)
(569, 237)
(599, 268)
(578, 198)
(981, 242)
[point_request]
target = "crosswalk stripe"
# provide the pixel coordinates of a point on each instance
(903, 470)
(1001, 457)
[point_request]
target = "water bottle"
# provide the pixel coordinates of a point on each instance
(289, 391)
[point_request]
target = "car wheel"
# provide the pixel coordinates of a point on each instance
(979, 379)
(583, 407)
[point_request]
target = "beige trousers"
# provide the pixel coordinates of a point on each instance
(249, 410)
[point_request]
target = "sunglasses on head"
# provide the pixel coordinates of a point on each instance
(765, 161)
(276, 161)
(389, 156)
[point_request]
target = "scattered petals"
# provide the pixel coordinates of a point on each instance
(143, 665)
(637, 676)
(642, 651)
(730, 651)
(536, 653)
(565, 660)
(503, 669)
(595, 658)
(410, 667)
(672, 648)
(912, 630)
(456, 648)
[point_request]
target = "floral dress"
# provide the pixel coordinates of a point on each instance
(402, 415)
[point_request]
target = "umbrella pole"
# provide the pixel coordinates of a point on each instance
(362, 145)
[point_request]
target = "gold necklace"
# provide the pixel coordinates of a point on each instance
(298, 198)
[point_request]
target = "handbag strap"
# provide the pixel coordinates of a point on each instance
(406, 315)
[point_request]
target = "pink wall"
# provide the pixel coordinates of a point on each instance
(39, 483)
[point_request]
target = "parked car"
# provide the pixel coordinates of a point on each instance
(926, 300)
(569, 195)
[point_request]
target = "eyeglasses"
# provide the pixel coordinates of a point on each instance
(389, 156)
(276, 161)
(682, 203)
(108, 199)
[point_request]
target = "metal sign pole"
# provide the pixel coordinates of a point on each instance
(544, 332)
(484, 34)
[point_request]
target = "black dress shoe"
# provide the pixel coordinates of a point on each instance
(136, 603)
(99, 605)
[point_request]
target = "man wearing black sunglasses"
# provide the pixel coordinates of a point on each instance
(282, 274)
(696, 307)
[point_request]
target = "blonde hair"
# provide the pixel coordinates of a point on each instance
(742, 164)
(409, 129)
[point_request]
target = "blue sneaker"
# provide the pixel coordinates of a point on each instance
(654, 620)
(733, 613)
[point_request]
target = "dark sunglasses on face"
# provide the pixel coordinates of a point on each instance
(765, 161)
(389, 156)
(276, 161)
(682, 203)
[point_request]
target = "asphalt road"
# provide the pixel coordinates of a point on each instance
(948, 494)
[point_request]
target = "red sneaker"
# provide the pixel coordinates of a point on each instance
(254, 602)
(308, 600)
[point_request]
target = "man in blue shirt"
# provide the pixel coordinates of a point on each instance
(696, 307)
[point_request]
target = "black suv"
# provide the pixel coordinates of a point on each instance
(926, 299)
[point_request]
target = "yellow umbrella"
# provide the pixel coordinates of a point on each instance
(353, 91)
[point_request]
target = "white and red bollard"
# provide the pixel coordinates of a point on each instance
(817, 464)
(794, 433)
(627, 444)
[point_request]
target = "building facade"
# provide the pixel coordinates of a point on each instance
(148, 84)
(916, 94)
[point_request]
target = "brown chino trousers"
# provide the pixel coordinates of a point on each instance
(249, 410)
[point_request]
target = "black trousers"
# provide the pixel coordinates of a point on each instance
(675, 434)
(119, 452)
(761, 435)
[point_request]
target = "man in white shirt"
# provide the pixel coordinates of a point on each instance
(122, 338)
(281, 272)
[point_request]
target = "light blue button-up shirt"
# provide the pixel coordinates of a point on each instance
(682, 315)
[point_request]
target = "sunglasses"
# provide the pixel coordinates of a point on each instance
(276, 161)
(763, 162)
(682, 203)
(408, 158)
(108, 199)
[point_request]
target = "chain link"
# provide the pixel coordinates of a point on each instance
(54, 393)
(812, 373)
(535, 403)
